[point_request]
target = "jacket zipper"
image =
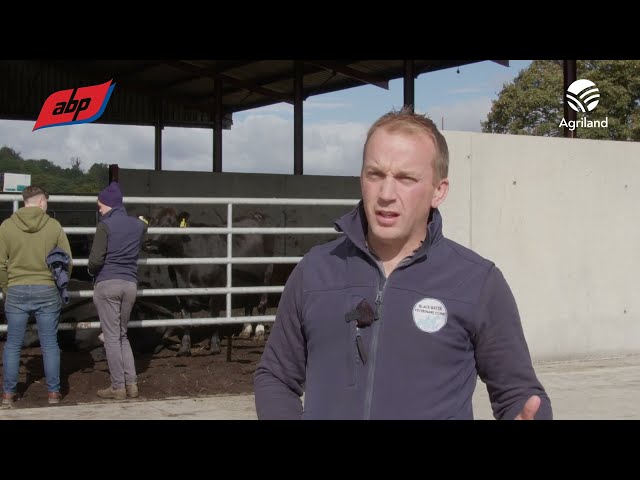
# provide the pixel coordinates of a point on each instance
(374, 348)
(376, 329)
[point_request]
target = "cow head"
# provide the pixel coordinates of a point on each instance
(165, 244)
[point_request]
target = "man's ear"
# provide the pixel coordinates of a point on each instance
(440, 193)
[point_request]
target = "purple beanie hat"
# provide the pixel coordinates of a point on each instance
(111, 196)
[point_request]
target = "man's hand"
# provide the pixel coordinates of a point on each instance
(530, 409)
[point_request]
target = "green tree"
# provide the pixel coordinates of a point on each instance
(533, 103)
(99, 175)
(76, 164)
(53, 178)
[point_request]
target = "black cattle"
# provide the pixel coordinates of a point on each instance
(77, 310)
(199, 276)
(80, 310)
(143, 340)
(279, 275)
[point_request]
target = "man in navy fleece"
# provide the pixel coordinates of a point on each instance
(113, 261)
(393, 320)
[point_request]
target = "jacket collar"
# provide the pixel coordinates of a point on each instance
(114, 211)
(355, 226)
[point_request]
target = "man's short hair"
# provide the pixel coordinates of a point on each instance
(405, 119)
(32, 191)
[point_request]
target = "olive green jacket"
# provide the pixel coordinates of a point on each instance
(26, 238)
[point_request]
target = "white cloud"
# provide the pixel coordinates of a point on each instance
(263, 143)
(462, 116)
(276, 108)
(187, 149)
(128, 146)
(326, 105)
(285, 110)
(259, 143)
(334, 149)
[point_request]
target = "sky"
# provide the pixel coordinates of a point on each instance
(261, 140)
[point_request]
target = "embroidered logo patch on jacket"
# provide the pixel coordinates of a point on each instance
(430, 315)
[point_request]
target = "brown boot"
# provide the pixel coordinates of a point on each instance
(54, 397)
(116, 394)
(9, 398)
(132, 390)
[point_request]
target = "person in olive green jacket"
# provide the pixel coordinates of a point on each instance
(26, 238)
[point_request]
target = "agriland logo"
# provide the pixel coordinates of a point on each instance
(583, 96)
(583, 93)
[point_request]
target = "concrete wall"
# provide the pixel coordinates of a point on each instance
(557, 216)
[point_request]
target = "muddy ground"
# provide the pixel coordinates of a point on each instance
(160, 375)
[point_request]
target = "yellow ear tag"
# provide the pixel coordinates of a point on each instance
(183, 223)
(143, 219)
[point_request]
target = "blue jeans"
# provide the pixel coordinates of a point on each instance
(45, 303)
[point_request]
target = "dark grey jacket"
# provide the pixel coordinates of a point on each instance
(444, 316)
(59, 262)
(116, 246)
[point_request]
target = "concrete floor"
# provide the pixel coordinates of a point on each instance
(594, 389)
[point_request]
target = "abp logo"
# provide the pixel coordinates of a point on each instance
(583, 95)
(76, 105)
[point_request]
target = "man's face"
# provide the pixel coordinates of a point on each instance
(397, 186)
(102, 208)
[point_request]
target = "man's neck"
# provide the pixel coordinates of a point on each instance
(36, 206)
(390, 255)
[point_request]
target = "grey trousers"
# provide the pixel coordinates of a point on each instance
(114, 301)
